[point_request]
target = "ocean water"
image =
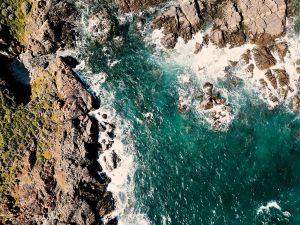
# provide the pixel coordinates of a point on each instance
(184, 172)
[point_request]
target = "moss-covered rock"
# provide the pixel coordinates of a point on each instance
(14, 17)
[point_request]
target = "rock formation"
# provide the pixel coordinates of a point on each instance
(48, 141)
(136, 5)
(234, 22)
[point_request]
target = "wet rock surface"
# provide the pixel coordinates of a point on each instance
(217, 110)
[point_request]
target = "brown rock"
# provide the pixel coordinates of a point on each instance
(282, 49)
(250, 69)
(198, 48)
(206, 104)
(271, 78)
(169, 41)
(245, 58)
(263, 58)
(282, 77)
(217, 38)
(190, 9)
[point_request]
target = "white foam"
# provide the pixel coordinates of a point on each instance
(122, 182)
(210, 63)
(272, 204)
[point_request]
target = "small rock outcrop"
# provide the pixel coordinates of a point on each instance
(218, 113)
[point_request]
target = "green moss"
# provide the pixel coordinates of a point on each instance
(23, 129)
(18, 24)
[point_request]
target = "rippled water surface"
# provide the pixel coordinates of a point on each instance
(185, 172)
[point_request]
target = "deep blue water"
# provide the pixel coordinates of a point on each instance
(185, 171)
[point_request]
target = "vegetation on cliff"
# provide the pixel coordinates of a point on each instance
(14, 14)
(24, 134)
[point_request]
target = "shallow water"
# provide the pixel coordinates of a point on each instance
(185, 173)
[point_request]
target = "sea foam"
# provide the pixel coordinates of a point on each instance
(210, 64)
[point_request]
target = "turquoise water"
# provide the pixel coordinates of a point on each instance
(188, 174)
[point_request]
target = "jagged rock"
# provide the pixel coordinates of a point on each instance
(198, 48)
(59, 181)
(106, 205)
(230, 18)
(208, 90)
(282, 77)
(271, 78)
(237, 21)
(282, 50)
(263, 58)
(235, 39)
(245, 58)
(190, 9)
(47, 26)
(230, 24)
(182, 106)
(182, 21)
(206, 104)
(250, 69)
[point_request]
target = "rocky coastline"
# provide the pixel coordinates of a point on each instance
(49, 143)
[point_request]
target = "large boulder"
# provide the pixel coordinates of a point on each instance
(263, 20)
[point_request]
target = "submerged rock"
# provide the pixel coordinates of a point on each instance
(296, 103)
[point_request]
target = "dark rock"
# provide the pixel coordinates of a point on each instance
(282, 77)
(70, 61)
(106, 205)
(271, 78)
